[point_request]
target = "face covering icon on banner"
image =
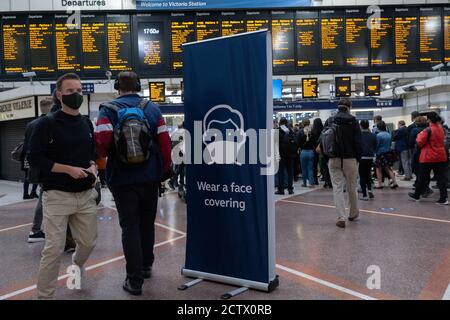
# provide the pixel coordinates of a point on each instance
(223, 135)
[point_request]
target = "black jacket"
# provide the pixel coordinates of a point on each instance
(350, 134)
(288, 145)
(368, 144)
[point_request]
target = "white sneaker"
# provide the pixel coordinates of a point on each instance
(81, 273)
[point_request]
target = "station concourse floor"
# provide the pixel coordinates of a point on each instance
(407, 242)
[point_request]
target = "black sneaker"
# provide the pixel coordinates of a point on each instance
(69, 249)
(147, 273)
(128, 288)
(371, 196)
(413, 196)
(291, 191)
(34, 195)
(26, 197)
(280, 192)
(427, 193)
(36, 237)
(443, 202)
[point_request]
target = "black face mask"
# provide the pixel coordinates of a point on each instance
(73, 101)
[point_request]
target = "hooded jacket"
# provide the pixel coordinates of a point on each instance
(432, 148)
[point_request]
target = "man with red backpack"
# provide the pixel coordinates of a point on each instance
(132, 133)
(433, 156)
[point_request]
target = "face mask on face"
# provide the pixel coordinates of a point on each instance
(73, 101)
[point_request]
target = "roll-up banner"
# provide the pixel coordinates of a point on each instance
(229, 160)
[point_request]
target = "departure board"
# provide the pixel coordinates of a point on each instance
(309, 88)
(232, 23)
(119, 43)
(406, 34)
(15, 44)
(41, 34)
(67, 44)
(332, 33)
(430, 46)
(157, 91)
(356, 35)
(381, 39)
(208, 26)
(256, 20)
(343, 87)
(372, 86)
(93, 37)
(307, 30)
(152, 49)
(282, 40)
(182, 30)
(447, 34)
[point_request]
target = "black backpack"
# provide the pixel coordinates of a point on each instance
(331, 140)
(290, 143)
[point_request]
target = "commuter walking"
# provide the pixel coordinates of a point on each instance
(134, 176)
(341, 141)
(308, 144)
(401, 139)
(385, 156)
(63, 148)
(25, 166)
(288, 145)
(316, 132)
(433, 156)
(369, 144)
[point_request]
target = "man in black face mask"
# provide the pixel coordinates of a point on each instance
(63, 148)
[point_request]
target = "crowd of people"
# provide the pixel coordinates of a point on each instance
(343, 151)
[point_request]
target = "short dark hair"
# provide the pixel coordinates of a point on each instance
(381, 125)
(402, 123)
(434, 117)
(415, 114)
(364, 124)
(283, 121)
(128, 81)
(345, 103)
(64, 77)
(378, 118)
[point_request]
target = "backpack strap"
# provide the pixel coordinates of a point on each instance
(144, 102)
(110, 105)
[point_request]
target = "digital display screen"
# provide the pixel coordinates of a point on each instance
(372, 86)
(381, 39)
(430, 36)
(68, 44)
(282, 40)
(406, 34)
(277, 88)
(343, 87)
(93, 37)
(332, 32)
(309, 88)
(307, 30)
(447, 34)
(15, 44)
(151, 46)
(182, 31)
(356, 35)
(41, 31)
(119, 40)
(157, 91)
(232, 23)
(208, 26)
(256, 20)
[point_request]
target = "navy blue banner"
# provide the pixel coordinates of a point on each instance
(218, 4)
(230, 207)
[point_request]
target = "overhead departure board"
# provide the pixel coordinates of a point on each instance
(356, 38)
(372, 86)
(208, 26)
(332, 33)
(406, 34)
(430, 50)
(381, 39)
(119, 43)
(152, 48)
(309, 88)
(282, 40)
(157, 91)
(182, 28)
(41, 32)
(93, 36)
(256, 20)
(15, 44)
(68, 44)
(447, 34)
(307, 29)
(232, 23)
(343, 87)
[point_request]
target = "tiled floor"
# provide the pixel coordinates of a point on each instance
(408, 242)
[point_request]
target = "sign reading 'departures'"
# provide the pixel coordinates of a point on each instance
(218, 4)
(86, 4)
(17, 109)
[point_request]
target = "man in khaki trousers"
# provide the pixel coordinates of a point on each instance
(63, 148)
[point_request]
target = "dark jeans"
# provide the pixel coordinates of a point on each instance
(38, 216)
(324, 170)
(440, 172)
(26, 186)
(365, 179)
(137, 205)
(288, 165)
